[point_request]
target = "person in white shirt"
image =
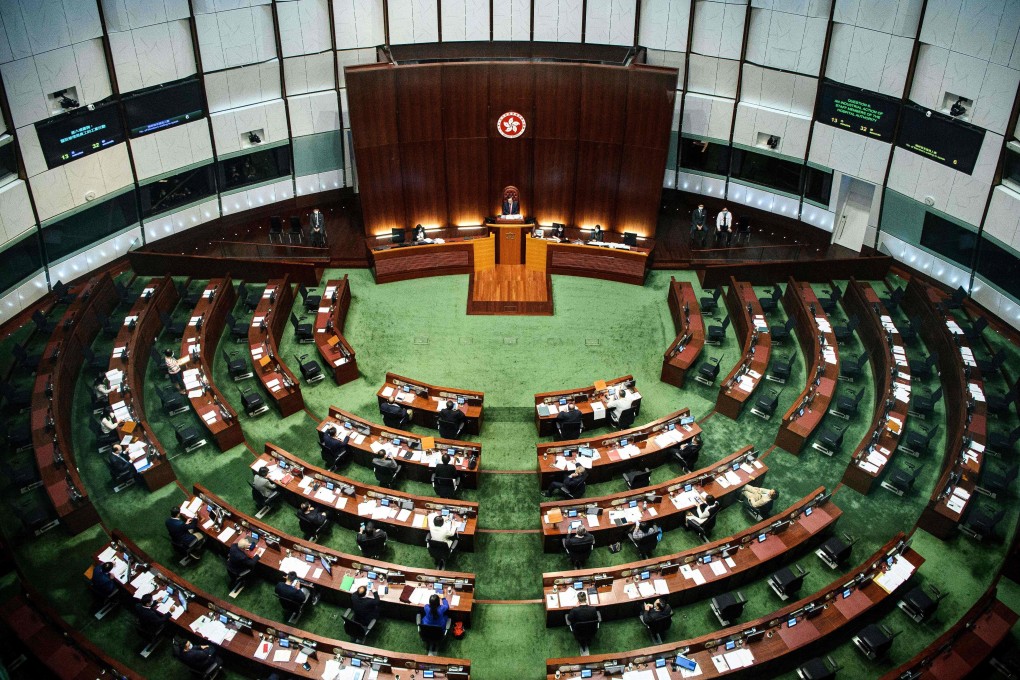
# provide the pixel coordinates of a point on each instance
(442, 529)
(723, 226)
(109, 422)
(621, 403)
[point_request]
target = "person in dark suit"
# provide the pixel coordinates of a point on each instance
(317, 233)
(655, 612)
(569, 416)
(452, 416)
(365, 609)
(418, 234)
(597, 235)
(446, 469)
(182, 532)
(309, 513)
(689, 452)
(583, 612)
(369, 532)
(698, 217)
(239, 558)
(511, 206)
(119, 463)
(578, 540)
(559, 232)
(103, 581)
(702, 512)
(395, 415)
(573, 483)
(333, 446)
(290, 588)
(149, 618)
(197, 656)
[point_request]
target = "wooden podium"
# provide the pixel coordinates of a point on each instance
(510, 240)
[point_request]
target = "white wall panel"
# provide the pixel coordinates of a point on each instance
(792, 42)
(671, 60)
(714, 76)
(358, 23)
(20, 298)
(171, 149)
(611, 22)
(309, 73)
(228, 126)
(236, 37)
(465, 20)
(152, 55)
(353, 58)
(708, 116)
(511, 19)
(175, 223)
(243, 86)
(1003, 219)
(15, 211)
(314, 113)
(413, 21)
(664, 24)
(558, 20)
(304, 26)
(718, 29)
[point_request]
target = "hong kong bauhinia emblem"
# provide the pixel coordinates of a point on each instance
(511, 125)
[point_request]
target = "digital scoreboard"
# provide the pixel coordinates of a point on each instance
(163, 107)
(78, 133)
(859, 111)
(940, 138)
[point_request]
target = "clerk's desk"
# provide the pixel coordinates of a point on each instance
(127, 378)
(590, 401)
(402, 515)
(770, 639)
(267, 324)
(646, 446)
(807, 411)
(247, 632)
(370, 439)
(282, 553)
(684, 351)
(961, 465)
(621, 591)
(876, 331)
(336, 353)
(400, 262)
(52, 400)
(577, 255)
(752, 331)
(426, 401)
(201, 336)
(612, 517)
(53, 643)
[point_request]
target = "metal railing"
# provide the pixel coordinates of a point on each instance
(269, 251)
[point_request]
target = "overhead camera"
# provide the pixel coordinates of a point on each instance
(254, 138)
(959, 108)
(65, 101)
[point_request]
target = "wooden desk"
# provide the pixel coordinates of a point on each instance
(271, 317)
(664, 504)
(201, 336)
(937, 330)
(349, 496)
(336, 353)
(769, 639)
(746, 376)
(892, 393)
(647, 446)
(47, 638)
(426, 401)
(400, 263)
(584, 398)
(127, 398)
(812, 326)
(418, 465)
(684, 351)
(687, 576)
(50, 418)
(963, 648)
(626, 265)
(282, 553)
(510, 240)
(240, 650)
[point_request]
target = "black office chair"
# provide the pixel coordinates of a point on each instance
(830, 439)
(657, 628)
(687, 456)
(835, 551)
(373, 548)
(901, 480)
(446, 487)
(104, 440)
(980, 523)
(385, 475)
(440, 551)
(188, 437)
(704, 528)
(310, 301)
(766, 403)
(109, 329)
(762, 512)
(830, 300)
(585, 631)
(923, 405)
(17, 435)
(264, 503)
(292, 610)
(771, 303)
(333, 459)
(919, 604)
(358, 633)
(207, 671)
(433, 636)
(401, 422)
(819, 669)
(578, 555)
(448, 430)
(716, 334)
(237, 366)
(173, 402)
(121, 479)
(124, 294)
(151, 634)
(779, 370)
(102, 603)
(844, 333)
(94, 362)
(908, 330)
(781, 334)
(19, 400)
(238, 329)
(311, 530)
(310, 369)
(42, 325)
(36, 516)
(709, 304)
(916, 442)
(788, 581)
(1000, 443)
(645, 545)
(22, 475)
(569, 431)
(62, 293)
(275, 229)
(998, 480)
(29, 362)
(990, 366)
(303, 331)
(174, 328)
(892, 302)
(998, 403)
(847, 405)
(874, 641)
(189, 299)
(955, 301)
(708, 371)
(625, 420)
(637, 479)
(851, 368)
(251, 298)
(296, 234)
(188, 551)
(922, 368)
(728, 607)
(158, 361)
(973, 331)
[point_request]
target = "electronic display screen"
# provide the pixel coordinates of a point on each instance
(940, 138)
(858, 111)
(163, 107)
(77, 134)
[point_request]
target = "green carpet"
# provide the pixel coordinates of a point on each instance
(600, 330)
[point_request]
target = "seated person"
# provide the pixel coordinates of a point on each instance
(239, 559)
(109, 422)
(182, 532)
(558, 232)
(101, 389)
(434, 613)
(333, 446)
(262, 484)
(312, 515)
(572, 484)
(569, 416)
(452, 416)
(623, 401)
(119, 462)
(292, 589)
(103, 582)
(757, 496)
(442, 529)
(596, 235)
(578, 540)
(446, 469)
(655, 612)
(394, 415)
(369, 532)
(418, 234)
(702, 512)
(198, 657)
(689, 451)
(583, 612)
(643, 530)
(386, 462)
(365, 609)
(150, 618)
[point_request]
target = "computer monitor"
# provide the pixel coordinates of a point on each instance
(438, 587)
(396, 235)
(285, 643)
(846, 593)
(645, 575)
(446, 512)
(329, 486)
(762, 537)
(407, 388)
(356, 662)
(660, 663)
(578, 585)
(731, 644)
(586, 673)
(325, 564)
(687, 420)
(808, 510)
(630, 238)
(707, 559)
(254, 537)
(385, 502)
(224, 620)
(461, 400)
(632, 504)
(452, 452)
(623, 442)
(688, 487)
(671, 426)
(428, 674)
(309, 558)
(791, 623)
(571, 513)
(372, 576)
(563, 401)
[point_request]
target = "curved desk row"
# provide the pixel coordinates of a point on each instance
(402, 515)
(282, 553)
(753, 332)
(966, 417)
(414, 261)
(201, 336)
(610, 518)
(336, 352)
(426, 401)
(760, 644)
(590, 401)
(648, 445)
(622, 591)
(821, 352)
(891, 370)
(251, 642)
(52, 399)
(684, 351)
(264, 334)
(609, 261)
(418, 455)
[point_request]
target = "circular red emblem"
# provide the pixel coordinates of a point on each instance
(511, 125)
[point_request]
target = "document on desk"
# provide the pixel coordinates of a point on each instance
(403, 515)
(387, 392)
(226, 534)
(630, 590)
(718, 567)
(733, 478)
(299, 567)
(720, 663)
(420, 521)
(592, 520)
(281, 656)
(568, 597)
(341, 501)
(739, 658)
(662, 674)
(661, 587)
(367, 508)
(598, 410)
(645, 589)
(552, 601)
(639, 675)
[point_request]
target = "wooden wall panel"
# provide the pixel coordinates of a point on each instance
(467, 180)
(511, 88)
(598, 172)
(419, 95)
(555, 169)
(603, 104)
(423, 167)
(465, 99)
(383, 203)
(372, 107)
(557, 100)
(636, 209)
(650, 98)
